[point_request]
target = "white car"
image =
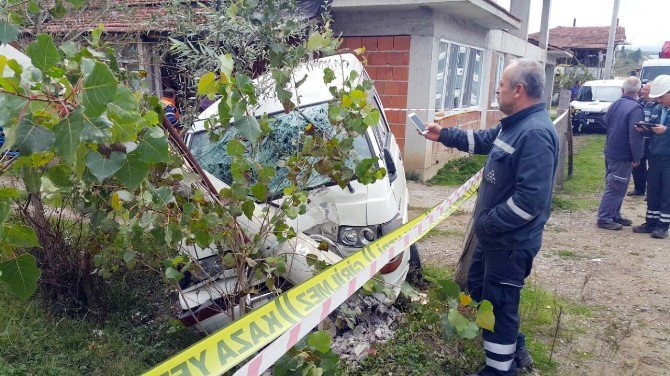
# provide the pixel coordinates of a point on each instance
(591, 104)
(348, 219)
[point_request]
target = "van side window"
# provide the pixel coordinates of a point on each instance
(381, 129)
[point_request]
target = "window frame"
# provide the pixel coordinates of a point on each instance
(497, 76)
(445, 93)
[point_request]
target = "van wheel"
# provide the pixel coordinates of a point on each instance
(415, 274)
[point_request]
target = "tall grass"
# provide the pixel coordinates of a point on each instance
(584, 189)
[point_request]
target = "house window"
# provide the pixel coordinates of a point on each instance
(458, 81)
(496, 80)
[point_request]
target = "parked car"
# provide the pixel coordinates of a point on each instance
(591, 104)
(347, 219)
(653, 68)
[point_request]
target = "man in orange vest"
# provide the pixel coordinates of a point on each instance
(171, 111)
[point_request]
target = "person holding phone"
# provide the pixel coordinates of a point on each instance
(658, 176)
(624, 147)
(513, 205)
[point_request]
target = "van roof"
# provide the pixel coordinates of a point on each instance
(312, 91)
(656, 63)
(618, 83)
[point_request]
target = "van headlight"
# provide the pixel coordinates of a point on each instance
(360, 236)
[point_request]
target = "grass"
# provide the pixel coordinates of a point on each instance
(419, 349)
(137, 333)
(583, 190)
(458, 171)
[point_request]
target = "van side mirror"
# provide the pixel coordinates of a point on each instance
(390, 165)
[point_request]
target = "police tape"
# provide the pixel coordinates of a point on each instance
(283, 321)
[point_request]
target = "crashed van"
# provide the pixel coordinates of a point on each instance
(347, 219)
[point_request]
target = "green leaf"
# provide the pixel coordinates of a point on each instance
(77, 3)
(9, 192)
(102, 167)
(448, 289)
(96, 34)
(32, 179)
(207, 84)
(448, 330)
(20, 235)
(260, 191)
(315, 41)
(320, 341)
(266, 174)
(357, 96)
(248, 208)
(68, 135)
(96, 130)
(372, 118)
(10, 107)
(235, 148)
(43, 52)
(99, 89)
(163, 195)
(8, 32)
(20, 275)
(172, 273)
(153, 150)
(151, 117)
(133, 171)
(58, 9)
(485, 305)
(248, 127)
(328, 75)
(229, 260)
(32, 138)
(227, 65)
(486, 320)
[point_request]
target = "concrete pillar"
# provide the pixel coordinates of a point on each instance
(549, 71)
(521, 10)
(420, 95)
(544, 24)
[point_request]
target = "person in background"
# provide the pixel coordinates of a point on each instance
(513, 205)
(575, 89)
(652, 111)
(624, 147)
(170, 107)
(658, 177)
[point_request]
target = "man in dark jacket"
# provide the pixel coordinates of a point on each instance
(651, 113)
(624, 147)
(658, 180)
(513, 204)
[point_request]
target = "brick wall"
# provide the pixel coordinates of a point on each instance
(388, 65)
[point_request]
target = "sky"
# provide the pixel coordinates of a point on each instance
(646, 21)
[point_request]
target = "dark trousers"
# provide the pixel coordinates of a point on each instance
(617, 176)
(640, 172)
(658, 192)
(497, 276)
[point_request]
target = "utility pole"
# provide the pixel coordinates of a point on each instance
(609, 57)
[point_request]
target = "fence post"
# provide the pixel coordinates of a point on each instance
(562, 129)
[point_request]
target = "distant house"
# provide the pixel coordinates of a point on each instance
(588, 45)
(442, 59)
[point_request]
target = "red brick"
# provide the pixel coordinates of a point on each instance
(401, 144)
(381, 87)
(372, 72)
(385, 73)
(370, 43)
(385, 43)
(394, 58)
(405, 58)
(377, 59)
(393, 116)
(398, 130)
(400, 73)
(386, 100)
(402, 88)
(392, 88)
(401, 42)
(398, 101)
(352, 42)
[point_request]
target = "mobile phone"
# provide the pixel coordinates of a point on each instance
(418, 123)
(646, 126)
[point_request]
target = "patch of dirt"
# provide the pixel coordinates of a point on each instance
(621, 275)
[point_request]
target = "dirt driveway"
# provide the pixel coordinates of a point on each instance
(624, 277)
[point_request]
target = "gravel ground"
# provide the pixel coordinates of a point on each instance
(623, 276)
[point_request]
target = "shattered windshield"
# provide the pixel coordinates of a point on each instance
(280, 144)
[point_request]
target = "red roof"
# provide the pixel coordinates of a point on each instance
(582, 37)
(122, 17)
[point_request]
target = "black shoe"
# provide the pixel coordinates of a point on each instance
(660, 233)
(610, 226)
(644, 228)
(624, 221)
(524, 362)
(635, 193)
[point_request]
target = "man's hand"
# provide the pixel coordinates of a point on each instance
(432, 131)
(659, 129)
(636, 164)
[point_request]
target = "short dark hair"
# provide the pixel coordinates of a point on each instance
(169, 93)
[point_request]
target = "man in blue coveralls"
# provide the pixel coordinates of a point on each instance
(513, 204)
